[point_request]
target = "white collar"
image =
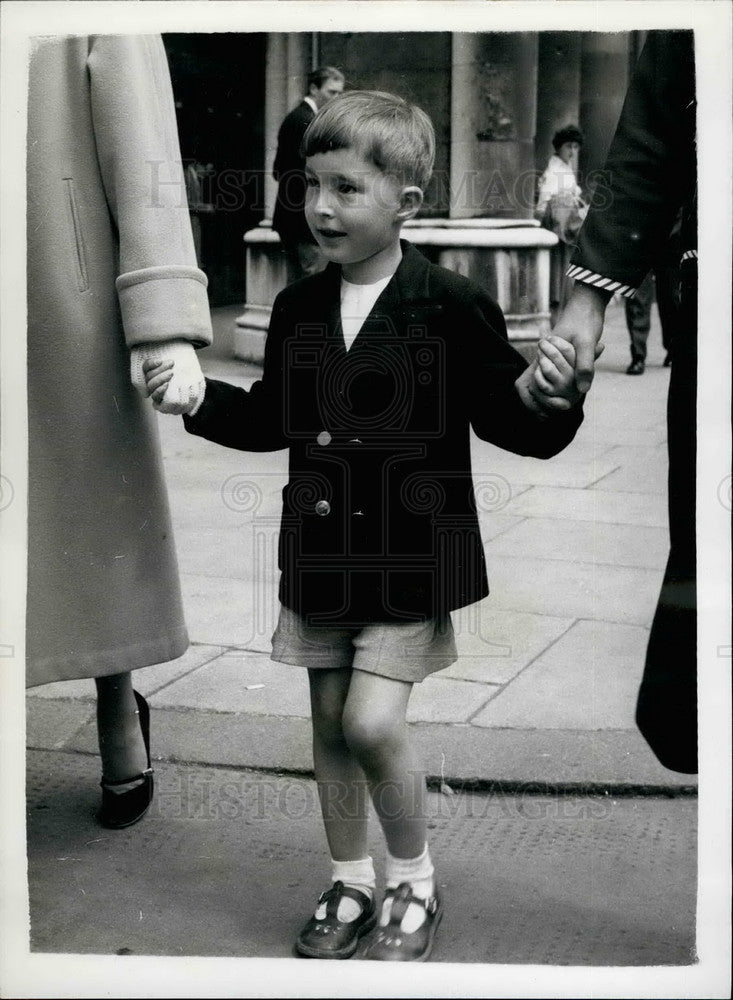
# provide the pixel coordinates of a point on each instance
(311, 103)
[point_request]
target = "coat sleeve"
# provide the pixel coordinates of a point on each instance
(248, 419)
(497, 412)
(649, 169)
(162, 292)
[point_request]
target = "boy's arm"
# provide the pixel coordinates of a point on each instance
(247, 419)
(498, 413)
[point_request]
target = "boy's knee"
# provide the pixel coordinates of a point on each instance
(371, 734)
(327, 725)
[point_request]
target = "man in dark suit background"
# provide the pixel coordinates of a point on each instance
(303, 253)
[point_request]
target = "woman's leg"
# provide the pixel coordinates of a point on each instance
(342, 788)
(121, 742)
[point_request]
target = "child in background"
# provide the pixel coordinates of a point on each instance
(375, 371)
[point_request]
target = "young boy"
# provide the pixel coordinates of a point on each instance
(374, 373)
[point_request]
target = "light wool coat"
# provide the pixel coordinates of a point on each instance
(111, 264)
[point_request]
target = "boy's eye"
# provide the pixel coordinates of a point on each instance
(311, 181)
(344, 187)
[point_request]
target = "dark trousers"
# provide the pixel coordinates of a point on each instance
(666, 711)
(663, 280)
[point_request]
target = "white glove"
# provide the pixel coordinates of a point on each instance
(185, 391)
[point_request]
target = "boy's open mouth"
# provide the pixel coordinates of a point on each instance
(330, 234)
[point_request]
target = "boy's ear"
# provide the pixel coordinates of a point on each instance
(411, 198)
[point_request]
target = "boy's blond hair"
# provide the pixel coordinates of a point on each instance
(398, 137)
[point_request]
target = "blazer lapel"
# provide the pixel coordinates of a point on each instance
(408, 282)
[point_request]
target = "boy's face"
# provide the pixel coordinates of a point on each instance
(355, 211)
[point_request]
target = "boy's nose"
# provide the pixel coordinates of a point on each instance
(323, 204)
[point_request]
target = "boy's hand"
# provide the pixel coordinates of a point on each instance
(184, 388)
(554, 375)
(157, 376)
(548, 385)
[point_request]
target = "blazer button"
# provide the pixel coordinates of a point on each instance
(323, 507)
(324, 438)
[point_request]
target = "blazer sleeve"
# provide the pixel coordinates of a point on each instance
(650, 166)
(162, 292)
(497, 413)
(247, 419)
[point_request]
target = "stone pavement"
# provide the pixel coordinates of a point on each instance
(549, 664)
(229, 864)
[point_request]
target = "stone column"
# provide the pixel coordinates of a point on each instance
(493, 102)
(286, 68)
(558, 88)
(288, 62)
(604, 77)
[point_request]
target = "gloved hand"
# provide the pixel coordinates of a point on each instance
(185, 391)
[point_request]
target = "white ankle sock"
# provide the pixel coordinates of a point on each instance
(359, 875)
(420, 875)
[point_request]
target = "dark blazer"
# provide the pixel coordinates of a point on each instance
(288, 170)
(379, 517)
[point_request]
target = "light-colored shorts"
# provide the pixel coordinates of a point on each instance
(402, 651)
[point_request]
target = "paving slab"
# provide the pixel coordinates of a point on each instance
(558, 471)
(227, 612)
(441, 699)
(201, 506)
(493, 525)
(225, 551)
(583, 590)
(245, 683)
(494, 645)
(589, 679)
(146, 680)
(607, 435)
(641, 474)
(584, 541)
(603, 506)
(52, 724)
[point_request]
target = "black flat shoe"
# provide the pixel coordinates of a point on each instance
(391, 943)
(636, 368)
(121, 809)
(329, 937)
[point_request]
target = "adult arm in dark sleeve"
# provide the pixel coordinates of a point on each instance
(649, 172)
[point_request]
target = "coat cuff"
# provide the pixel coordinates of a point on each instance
(165, 303)
(599, 281)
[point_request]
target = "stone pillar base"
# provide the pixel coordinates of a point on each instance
(510, 259)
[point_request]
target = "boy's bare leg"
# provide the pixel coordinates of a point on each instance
(342, 787)
(375, 728)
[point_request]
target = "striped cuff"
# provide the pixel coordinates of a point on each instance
(598, 281)
(688, 255)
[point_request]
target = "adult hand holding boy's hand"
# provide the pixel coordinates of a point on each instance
(183, 389)
(548, 385)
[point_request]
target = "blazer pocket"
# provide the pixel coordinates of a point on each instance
(75, 227)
